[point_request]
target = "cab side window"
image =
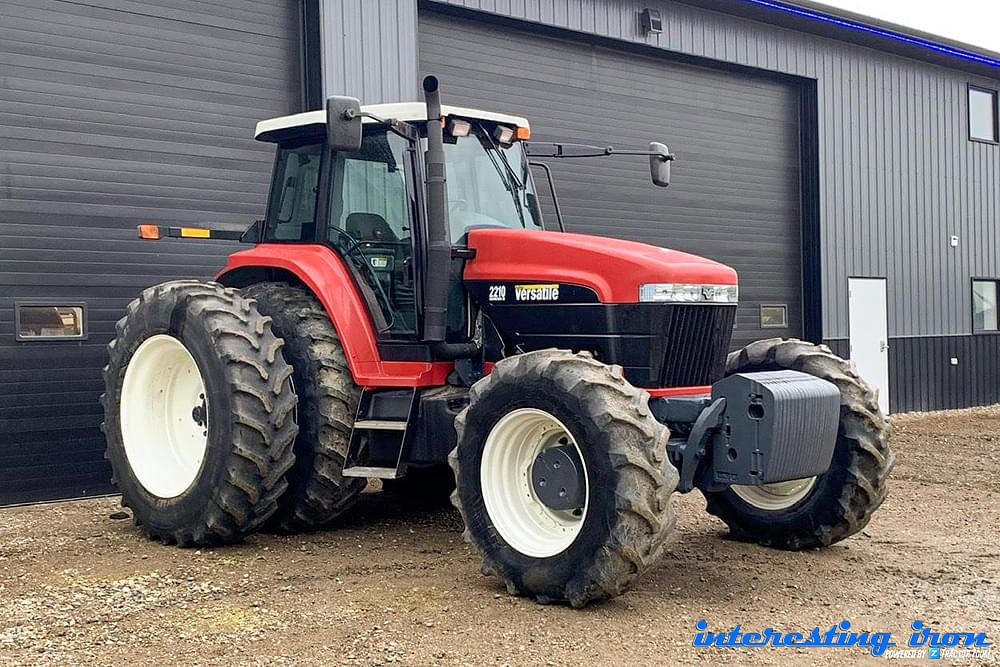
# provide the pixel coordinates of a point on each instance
(291, 212)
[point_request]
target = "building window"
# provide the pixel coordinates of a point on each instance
(982, 115)
(42, 321)
(774, 316)
(984, 305)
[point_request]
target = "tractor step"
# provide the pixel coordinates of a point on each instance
(380, 425)
(372, 471)
(381, 434)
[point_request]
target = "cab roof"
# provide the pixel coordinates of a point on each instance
(274, 129)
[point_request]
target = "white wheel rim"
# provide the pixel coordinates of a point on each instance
(776, 496)
(522, 520)
(164, 444)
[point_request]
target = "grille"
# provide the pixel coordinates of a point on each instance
(697, 341)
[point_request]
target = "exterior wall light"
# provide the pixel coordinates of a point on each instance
(650, 21)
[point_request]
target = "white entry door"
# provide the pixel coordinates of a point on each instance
(870, 334)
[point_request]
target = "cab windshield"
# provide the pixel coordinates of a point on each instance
(488, 185)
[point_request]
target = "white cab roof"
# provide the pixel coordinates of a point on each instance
(404, 111)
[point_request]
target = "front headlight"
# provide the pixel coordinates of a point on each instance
(688, 293)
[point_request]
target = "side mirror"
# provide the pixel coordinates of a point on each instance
(343, 124)
(659, 164)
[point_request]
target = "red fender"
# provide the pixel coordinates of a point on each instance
(324, 273)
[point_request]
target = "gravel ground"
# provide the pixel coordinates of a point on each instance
(397, 585)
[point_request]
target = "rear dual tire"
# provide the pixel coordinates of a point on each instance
(199, 413)
(318, 492)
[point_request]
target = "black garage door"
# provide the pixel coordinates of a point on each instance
(735, 195)
(114, 113)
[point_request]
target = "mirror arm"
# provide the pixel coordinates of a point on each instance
(404, 130)
(535, 149)
(351, 114)
(670, 157)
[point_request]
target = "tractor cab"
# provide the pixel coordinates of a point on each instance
(367, 202)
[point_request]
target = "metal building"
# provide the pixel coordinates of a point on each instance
(847, 168)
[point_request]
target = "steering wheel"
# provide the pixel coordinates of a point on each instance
(355, 245)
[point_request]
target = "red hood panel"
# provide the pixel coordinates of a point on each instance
(612, 267)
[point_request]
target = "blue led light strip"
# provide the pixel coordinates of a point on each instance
(899, 37)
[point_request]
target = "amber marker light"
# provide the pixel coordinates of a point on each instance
(149, 232)
(195, 233)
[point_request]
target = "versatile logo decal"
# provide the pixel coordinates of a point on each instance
(708, 293)
(536, 292)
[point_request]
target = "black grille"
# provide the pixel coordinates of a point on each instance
(697, 341)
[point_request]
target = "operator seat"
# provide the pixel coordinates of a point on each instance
(370, 227)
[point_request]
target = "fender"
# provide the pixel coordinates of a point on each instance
(324, 272)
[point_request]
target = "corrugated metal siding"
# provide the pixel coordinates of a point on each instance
(735, 195)
(114, 113)
(897, 173)
(922, 377)
(370, 49)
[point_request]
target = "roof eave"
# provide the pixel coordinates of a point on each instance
(819, 19)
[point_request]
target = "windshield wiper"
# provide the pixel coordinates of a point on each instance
(512, 180)
(512, 183)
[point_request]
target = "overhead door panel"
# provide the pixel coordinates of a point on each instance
(115, 113)
(735, 195)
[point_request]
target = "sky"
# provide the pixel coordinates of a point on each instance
(975, 22)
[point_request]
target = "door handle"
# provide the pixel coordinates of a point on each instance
(883, 346)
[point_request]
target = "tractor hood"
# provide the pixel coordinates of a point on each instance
(611, 267)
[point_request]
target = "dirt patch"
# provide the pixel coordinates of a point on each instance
(398, 585)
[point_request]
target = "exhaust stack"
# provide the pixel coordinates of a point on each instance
(438, 228)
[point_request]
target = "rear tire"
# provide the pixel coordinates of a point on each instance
(627, 514)
(318, 492)
(199, 413)
(819, 511)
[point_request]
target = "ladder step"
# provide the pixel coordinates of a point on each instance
(372, 471)
(380, 424)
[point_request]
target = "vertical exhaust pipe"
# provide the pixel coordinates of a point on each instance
(438, 229)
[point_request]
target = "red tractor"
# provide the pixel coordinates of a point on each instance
(388, 321)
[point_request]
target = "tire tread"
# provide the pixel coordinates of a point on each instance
(261, 452)
(863, 429)
(644, 477)
(328, 397)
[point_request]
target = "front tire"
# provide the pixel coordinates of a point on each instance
(530, 404)
(816, 511)
(198, 414)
